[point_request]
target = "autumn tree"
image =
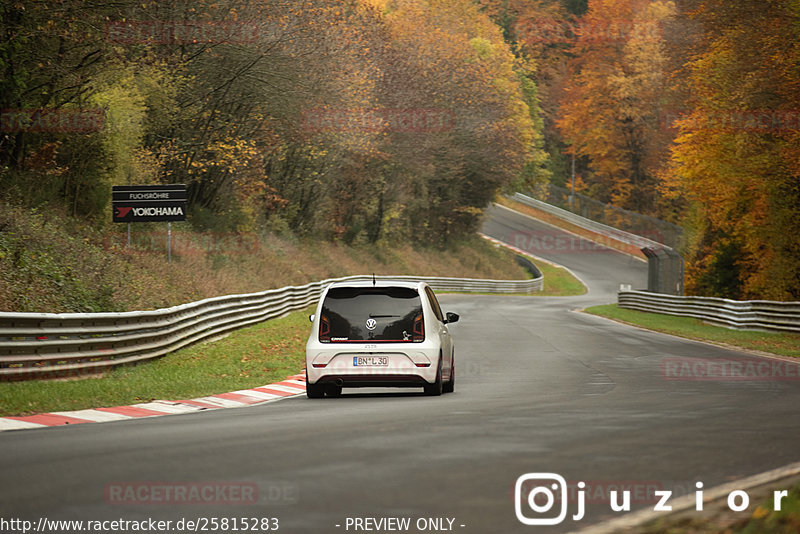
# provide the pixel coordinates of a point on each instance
(362, 120)
(615, 100)
(438, 125)
(49, 55)
(736, 159)
(542, 33)
(456, 65)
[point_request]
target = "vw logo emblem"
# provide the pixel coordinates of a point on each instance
(371, 324)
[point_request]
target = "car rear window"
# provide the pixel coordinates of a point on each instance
(387, 314)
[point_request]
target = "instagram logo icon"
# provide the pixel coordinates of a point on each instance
(541, 499)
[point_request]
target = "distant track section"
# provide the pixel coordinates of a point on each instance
(587, 224)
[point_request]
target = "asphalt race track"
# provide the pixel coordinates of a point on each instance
(540, 388)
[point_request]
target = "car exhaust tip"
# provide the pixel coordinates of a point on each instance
(339, 382)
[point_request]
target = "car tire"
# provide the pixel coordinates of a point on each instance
(450, 385)
(315, 391)
(332, 390)
(435, 389)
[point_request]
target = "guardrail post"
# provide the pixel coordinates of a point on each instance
(664, 271)
(676, 271)
(652, 269)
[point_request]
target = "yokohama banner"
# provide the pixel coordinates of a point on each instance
(149, 203)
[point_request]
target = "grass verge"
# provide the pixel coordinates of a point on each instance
(783, 344)
(558, 282)
(247, 358)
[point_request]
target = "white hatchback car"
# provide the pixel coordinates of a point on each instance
(379, 334)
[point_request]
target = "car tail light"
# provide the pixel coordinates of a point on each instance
(319, 365)
(419, 329)
(423, 365)
(324, 329)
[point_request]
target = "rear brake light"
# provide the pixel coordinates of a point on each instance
(324, 329)
(319, 365)
(423, 365)
(419, 329)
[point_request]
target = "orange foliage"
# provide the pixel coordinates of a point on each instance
(613, 103)
(736, 159)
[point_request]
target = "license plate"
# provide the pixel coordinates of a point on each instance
(370, 361)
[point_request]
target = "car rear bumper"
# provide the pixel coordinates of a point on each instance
(406, 366)
(372, 381)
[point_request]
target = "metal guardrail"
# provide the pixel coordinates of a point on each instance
(739, 314)
(44, 345)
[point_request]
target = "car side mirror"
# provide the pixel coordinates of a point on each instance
(452, 317)
(311, 317)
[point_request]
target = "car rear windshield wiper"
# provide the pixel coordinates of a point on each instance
(378, 316)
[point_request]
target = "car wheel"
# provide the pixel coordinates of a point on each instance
(332, 390)
(450, 385)
(435, 389)
(315, 391)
